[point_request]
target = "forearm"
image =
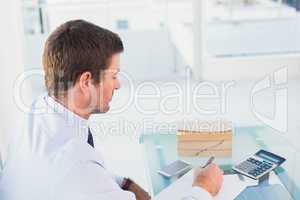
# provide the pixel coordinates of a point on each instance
(139, 192)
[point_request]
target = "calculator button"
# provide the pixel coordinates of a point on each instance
(260, 171)
(265, 167)
(267, 163)
(268, 166)
(258, 162)
(252, 172)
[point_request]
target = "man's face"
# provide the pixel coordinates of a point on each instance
(103, 91)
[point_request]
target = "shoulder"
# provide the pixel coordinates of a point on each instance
(46, 130)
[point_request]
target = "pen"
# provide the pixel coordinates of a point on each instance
(210, 160)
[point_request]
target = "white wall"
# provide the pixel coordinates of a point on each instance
(11, 64)
(243, 52)
(140, 14)
(256, 37)
(235, 47)
(148, 54)
(250, 68)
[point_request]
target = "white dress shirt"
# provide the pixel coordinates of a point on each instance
(52, 160)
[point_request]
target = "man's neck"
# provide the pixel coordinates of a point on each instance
(71, 106)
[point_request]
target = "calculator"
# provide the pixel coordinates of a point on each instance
(259, 164)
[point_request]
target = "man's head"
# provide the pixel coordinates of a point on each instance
(81, 62)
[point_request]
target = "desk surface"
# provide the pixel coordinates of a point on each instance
(160, 149)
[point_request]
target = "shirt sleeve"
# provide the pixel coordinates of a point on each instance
(197, 193)
(89, 181)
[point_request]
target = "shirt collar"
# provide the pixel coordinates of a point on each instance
(72, 119)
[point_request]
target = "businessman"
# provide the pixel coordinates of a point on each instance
(57, 158)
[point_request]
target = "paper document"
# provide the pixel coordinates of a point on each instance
(231, 188)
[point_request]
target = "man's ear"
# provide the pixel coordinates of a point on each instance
(84, 81)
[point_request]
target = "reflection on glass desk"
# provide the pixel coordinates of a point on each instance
(161, 149)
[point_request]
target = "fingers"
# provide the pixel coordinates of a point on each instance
(216, 168)
(209, 178)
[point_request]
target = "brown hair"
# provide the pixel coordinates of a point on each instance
(76, 47)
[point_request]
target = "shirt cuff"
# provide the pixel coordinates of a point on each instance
(119, 180)
(197, 193)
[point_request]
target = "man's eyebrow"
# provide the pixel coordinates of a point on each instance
(112, 70)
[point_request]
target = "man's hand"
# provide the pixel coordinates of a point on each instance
(140, 193)
(209, 178)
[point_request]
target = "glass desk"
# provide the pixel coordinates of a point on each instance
(160, 150)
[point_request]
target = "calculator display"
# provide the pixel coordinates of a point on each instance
(270, 157)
